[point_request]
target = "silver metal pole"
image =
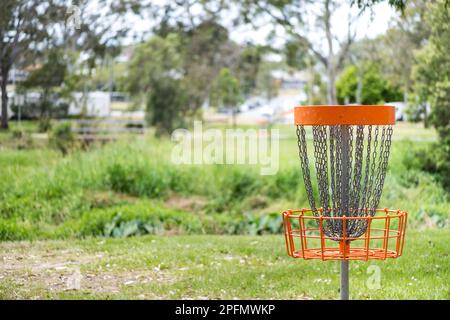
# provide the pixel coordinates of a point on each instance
(345, 189)
(344, 279)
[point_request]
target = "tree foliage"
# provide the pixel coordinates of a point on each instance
(248, 66)
(431, 74)
(25, 25)
(397, 4)
(431, 77)
(189, 61)
(155, 76)
(303, 28)
(374, 87)
(226, 91)
(46, 79)
(30, 27)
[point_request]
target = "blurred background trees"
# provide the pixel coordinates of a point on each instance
(431, 76)
(155, 78)
(226, 92)
(374, 88)
(177, 67)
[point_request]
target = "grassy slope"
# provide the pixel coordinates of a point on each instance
(215, 267)
(43, 195)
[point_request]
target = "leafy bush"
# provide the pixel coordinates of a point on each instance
(21, 139)
(44, 125)
(62, 138)
(375, 89)
(434, 159)
(138, 179)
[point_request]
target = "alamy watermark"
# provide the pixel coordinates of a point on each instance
(374, 280)
(259, 147)
(73, 17)
(73, 281)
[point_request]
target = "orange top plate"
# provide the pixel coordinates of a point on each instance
(347, 115)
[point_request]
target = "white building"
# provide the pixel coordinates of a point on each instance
(93, 104)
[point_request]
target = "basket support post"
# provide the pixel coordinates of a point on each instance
(344, 279)
(345, 182)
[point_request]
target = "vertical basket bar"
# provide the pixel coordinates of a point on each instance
(367, 247)
(399, 232)
(404, 229)
(287, 232)
(322, 240)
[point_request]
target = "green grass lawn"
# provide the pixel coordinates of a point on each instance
(213, 267)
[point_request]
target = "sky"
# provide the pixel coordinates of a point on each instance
(371, 23)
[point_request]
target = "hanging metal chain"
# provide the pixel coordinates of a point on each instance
(356, 186)
(303, 154)
(321, 164)
(350, 183)
(381, 174)
(371, 173)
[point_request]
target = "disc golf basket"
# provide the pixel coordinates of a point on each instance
(350, 148)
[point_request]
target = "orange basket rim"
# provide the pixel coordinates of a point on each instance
(388, 212)
(344, 115)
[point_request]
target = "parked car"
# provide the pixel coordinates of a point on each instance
(252, 103)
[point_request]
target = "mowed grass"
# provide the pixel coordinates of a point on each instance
(214, 267)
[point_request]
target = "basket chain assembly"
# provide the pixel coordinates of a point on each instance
(350, 170)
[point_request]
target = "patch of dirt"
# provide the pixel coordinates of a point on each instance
(193, 203)
(62, 270)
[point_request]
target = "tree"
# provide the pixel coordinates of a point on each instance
(291, 15)
(25, 26)
(375, 88)
(431, 76)
(265, 83)
(48, 78)
(155, 77)
(364, 4)
(248, 66)
(206, 49)
(29, 27)
(226, 92)
(407, 34)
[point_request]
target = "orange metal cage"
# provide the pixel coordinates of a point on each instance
(383, 238)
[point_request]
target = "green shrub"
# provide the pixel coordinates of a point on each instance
(62, 138)
(44, 125)
(434, 159)
(138, 179)
(21, 139)
(12, 230)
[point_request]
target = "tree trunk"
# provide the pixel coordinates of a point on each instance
(331, 67)
(4, 122)
(331, 84)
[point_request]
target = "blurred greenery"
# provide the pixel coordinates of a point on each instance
(130, 187)
(374, 88)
